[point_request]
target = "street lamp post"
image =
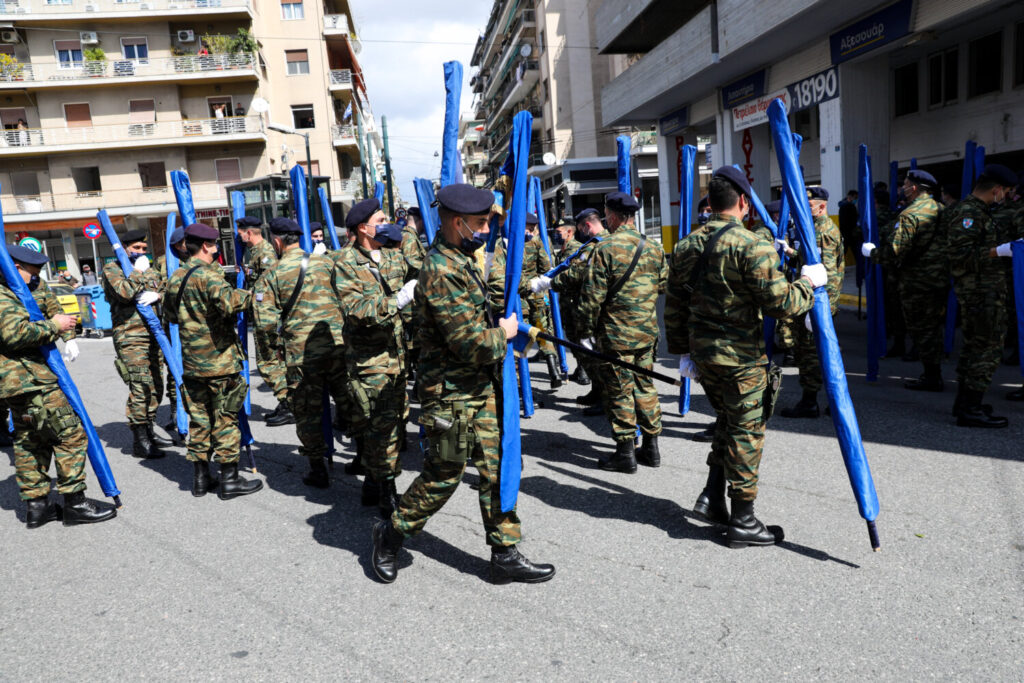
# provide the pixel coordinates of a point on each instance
(289, 130)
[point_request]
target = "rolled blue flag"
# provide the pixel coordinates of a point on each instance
(685, 221)
(329, 227)
(873, 271)
(536, 201)
(451, 160)
(428, 212)
(173, 262)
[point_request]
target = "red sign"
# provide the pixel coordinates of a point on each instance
(92, 231)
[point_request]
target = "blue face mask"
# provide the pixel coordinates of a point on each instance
(134, 257)
(527, 237)
(388, 235)
(315, 242)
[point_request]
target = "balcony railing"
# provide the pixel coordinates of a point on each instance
(54, 73)
(341, 77)
(644, 138)
(16, 142)
(34, 7)
(335, 23)
(95, 199)
(346, 188)
(343, 134)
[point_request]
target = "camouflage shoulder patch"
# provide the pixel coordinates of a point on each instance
(968, 222)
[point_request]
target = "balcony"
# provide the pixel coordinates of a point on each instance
(340, 80)
(520, 83)
(70, 10)
(39, 141)
(138, 201)
(192, 68)
(344, 136)
(346, 189)
(336, 26)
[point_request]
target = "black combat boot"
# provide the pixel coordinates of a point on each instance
(706, 436)
(554, 372)
(623, 460)
(232, 485)
(386, 544)
(370, 493)
(746, 529)
(283, 416)
(508, 564)
(931, 380)
(972, 413)
(387, 497)
(202, 481)
(1017, 395)
(807, 406)
(711, 503)
(172, 429)
(156, 439)
(649, 455)
(356, 467)
(317, 476)
(579, 376)
(40, 511)
(591, 398)
(142, 446)
(78, 510)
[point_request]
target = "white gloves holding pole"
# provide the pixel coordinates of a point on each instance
(687, 368)
(147, 298)
(540, 284)
(817, 274)
(406, 294)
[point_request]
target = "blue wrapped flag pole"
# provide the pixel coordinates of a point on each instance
(979, 162)
(94, 450)
(844, 419)
(451, 161)
(1018, 293)
(183, 196)
(173, 262)
(686, 177)
(329, 227)
(564, 265)
(428, 212)
(378, 191)
(542, 228)
(873, 271)
(623, 143)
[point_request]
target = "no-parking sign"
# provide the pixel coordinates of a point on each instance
(92, 231)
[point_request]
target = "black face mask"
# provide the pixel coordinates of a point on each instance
(33, 283)
(469, 245)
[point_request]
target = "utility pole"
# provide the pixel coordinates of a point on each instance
(387, 165)
(362, 152)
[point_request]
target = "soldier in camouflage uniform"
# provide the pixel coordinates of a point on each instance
(1014, 223)
(723, 281)
(568, 245)
(260, 258)
(45, 425)
(974, 245)
(139, 359)
(618, 316)
(413, 252)
(535, 308)
(311, 332)
(915, 250)
(374, 288)
(832, 252)
(460, 362)
(204, 306)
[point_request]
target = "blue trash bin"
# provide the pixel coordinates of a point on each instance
(96, 320)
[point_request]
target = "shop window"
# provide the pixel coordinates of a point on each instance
(985, 65)
(153, 175)
(905, 89)
(943, 77)
(298, 62)
(302, 116)
(87, 180)
(292, 10)
(1018, 54)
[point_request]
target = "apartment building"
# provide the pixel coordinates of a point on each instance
(101, 99)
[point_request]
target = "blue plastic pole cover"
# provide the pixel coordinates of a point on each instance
(171, 258)
(450, 158)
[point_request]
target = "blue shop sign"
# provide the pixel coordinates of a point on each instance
(747, 88)
(674, 122)
(883, 27)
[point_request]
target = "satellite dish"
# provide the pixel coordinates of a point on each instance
(526, 50)
(259, 105)
(549, 159)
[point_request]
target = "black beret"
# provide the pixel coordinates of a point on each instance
(361, 212)
(1000, 175)
(585, 214)
(279, 225)
(704, 203)
(26, 255)
(919, 177)
(736, 177)
(413, 211)
(178, 235)
(248, 222)
(817, 192)
(201, 231)
(773, 207)
(620, 202)
(314, 226)
(133, 236)
(566, 221)
(465, 199)
(531, 218)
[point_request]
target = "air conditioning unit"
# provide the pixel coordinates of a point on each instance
(89, 37)
(9, 35)
(92, 7)
(186, 36)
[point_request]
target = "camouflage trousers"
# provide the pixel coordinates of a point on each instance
(536, 313)
(213, 404)
(983, 321)
(139, 364)
(630, 399)
(474, 435)
(381, 404)
(47, 428)
(925, 314)
(310, 388)
(270, 365)
(737, 395)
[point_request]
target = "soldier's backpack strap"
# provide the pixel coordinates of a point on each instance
(375, 272)
(286, 310)
(181, 289)
(702, 265)
(614, 289)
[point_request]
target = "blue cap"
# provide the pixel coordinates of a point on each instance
(585, 214)
(620, 202)
(773, 207)
(736, 177)
(361, 212)
(1000, 175)
(26, 255)
(919, 177)
(388, 234)
(465, 199)
(201, 231)
(279, 225)
(177, 235)
(817, 192)
(248, 222)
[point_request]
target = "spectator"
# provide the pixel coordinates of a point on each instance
(88, 277)
(68, 279)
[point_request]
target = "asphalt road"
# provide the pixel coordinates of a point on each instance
(278, 585)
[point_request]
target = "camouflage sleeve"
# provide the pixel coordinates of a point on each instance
(592, 293)
(120, 286)
(496, 282)
(662, 271)
(225, 298)
(412, 252)
(963, 244)
(831, 246)
(51, 307)
(446, 298)
(677, 298)
(897, 244)
(363, 301)
(265, 309)
(775, 296)
(18, 332)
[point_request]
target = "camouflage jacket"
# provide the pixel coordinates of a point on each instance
(373, 327)
(50, 306)
(205, 315)
(569, 282)
(535, 262)
(460, 348)
(720, 322)
(570, 247)
(258, 259)
(629, 319)
(413, 251)
(917, 246)
(120, 292)
(22, 366)
(971, 235)
(832, 254)
(315, 324)
(1009, 218)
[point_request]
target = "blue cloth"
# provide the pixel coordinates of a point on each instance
(873, 272)
(378, 191)
(425, 199)
(1018, 293)
(451, 162)
(622, 147)
(238, 212)
(685, 220)
(536, 202)
(180, 416)
(329, 228)
(183, 196)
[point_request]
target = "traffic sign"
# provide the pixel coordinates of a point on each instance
(92, 231)
(30, 243)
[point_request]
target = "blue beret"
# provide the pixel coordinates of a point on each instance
(773, 207)
(279, 225)
(919, 177)
(178, 235)
(585, 214)
(201, 231)
(465, 199)
(314, 226)
(361, 212)
(248, 222)
(817, 192)
(1000, 174)
(531, 218)
(620, 202)
(26, 255)
(133, 236)
(736, 177)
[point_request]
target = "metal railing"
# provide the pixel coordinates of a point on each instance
(126, 68)
(31, 7)
(343, 133)
(644, 138)
(350, 187)
(336, 22)
(341, 77)
(95, 199)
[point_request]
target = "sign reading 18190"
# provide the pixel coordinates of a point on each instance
(813, 90)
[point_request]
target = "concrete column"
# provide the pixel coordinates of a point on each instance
(67, 239)
(832, 153)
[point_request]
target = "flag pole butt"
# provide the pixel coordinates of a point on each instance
(117, 503)
(873, 535)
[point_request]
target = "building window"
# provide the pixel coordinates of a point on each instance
(985, 65)
(228, 171)
(943, 77)
(302, 115)
(141, 117)
(298, 62)
(1018, 55)
(136, 49)
(69, 53)
(77, 115)
(153, 175)
(905, 90)
(87, 180)
(292, 9)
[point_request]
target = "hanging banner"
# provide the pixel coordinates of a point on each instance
(755, 112)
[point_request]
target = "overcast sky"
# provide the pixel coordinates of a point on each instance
(405, 45)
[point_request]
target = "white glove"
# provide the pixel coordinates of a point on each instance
(320, 249)
(70, 351)
(405, 294)
(781, 244)
(141, 264)
(587, 343)
(867, 249)
(540, 284)
(1005, 250)
(147, 298)
(816, 274)
(807, 322)
(687, 368)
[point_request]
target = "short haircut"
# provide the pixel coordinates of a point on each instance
(193, 245)
(722, 194)
(984, 183)
(288, 238)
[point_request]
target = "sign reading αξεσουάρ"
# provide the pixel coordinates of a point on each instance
(884, 26)
(674, 122)
(813, 90)
(744, 90)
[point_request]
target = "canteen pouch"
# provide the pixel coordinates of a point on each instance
(358, 395)
(50, 422)
(122, 370)
(771, 390)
